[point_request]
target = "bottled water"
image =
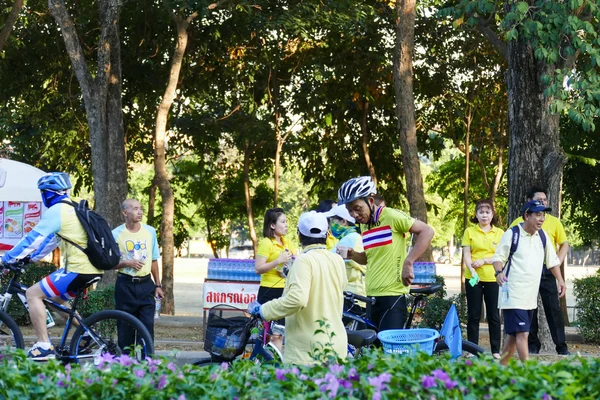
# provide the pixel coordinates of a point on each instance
(157, 308)
(504, 290)
(219, 343)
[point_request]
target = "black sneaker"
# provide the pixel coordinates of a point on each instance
(534, 350)
(565, 352)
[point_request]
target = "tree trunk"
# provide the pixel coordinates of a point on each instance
(10, 23)
(151, 201)
(405, 110)
(465, 205)
(102, 101)
(247, 154)
(276, 173)
(365, 141)
(161, 175)
(535, 155)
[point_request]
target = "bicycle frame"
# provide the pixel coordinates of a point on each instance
(14, 287)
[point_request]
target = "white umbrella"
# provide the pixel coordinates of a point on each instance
(18, 181)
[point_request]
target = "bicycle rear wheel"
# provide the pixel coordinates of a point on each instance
(114, 332)
(469, 349)
(11, 337)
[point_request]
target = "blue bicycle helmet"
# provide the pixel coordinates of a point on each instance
(55, 181)
(356, 188)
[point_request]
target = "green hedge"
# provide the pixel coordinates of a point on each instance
(97, 300)
(436, 307)
(373, 376)
(587, 292)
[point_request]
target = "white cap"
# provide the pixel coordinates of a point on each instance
(341, 212)
(313, 224)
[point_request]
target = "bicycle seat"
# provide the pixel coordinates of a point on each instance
(361, 338)
(426, 290)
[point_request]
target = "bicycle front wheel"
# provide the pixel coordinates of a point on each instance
(111, 332)
(469, 349)
(11, 337)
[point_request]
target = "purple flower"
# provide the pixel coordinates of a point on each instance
(469, 362)
(224, 366)
(115, 381)
(332, 386)
(162, 382)
(68, 368)
(379, 382)
(139, 373)
(376, 395)
(370, 367)
(172, 367)
(88, 381)
(336, 369)
(295, 370)
(450, 384)
(152, 369)
(345, 384)
(125, 360)
(181, 397)
(105, 359)
(427, 381)
(213, 377)
(303, 377)
(353, 375)
(546, 397)
(152, 361)
(513, 381)
(280, 374)
(62, 384)
(440, 374)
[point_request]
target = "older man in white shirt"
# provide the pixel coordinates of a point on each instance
(520, 273)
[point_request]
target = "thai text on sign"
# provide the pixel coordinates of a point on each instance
(233, 294)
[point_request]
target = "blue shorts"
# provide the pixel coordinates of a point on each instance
(516, 321)
(65, 284)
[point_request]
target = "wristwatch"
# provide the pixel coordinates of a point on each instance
(498, 273)
(158, 286)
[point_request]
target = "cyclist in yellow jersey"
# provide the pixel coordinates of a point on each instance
(384, 234)
(548, 288)
(58, 220)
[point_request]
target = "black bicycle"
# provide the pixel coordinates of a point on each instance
(355, 317)
(93, 336)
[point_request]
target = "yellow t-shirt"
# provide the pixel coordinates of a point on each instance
(483, 245)
(313, 292)
(552, 226)
(271, 249)
(141, 245)
(385, 246)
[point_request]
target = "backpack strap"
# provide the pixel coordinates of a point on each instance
(74, 205)
(514, 243)
(543, 238)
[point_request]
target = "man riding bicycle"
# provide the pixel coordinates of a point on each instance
(59, 220)
(384, 233)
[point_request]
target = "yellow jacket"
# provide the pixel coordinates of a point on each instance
(313, 292)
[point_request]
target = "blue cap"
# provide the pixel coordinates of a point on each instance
(534, 206)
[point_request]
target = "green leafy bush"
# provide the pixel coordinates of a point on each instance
(436, 307)
(34, 272)
(97, 300)
(587, 292)
(373, 376)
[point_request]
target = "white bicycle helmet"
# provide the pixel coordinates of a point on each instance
(356, 188)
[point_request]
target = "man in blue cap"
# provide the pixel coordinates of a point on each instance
(518, 262)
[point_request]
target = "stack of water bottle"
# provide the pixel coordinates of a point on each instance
(229, 269)
(424, 272)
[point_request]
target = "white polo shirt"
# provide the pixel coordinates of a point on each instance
(526, 268)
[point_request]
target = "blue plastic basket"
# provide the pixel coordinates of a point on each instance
(408, 341)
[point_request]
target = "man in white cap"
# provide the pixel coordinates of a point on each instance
(313, 294)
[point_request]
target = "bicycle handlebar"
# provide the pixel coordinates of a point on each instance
(353, 296)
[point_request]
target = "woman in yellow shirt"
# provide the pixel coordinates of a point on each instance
(479, 245)
(272, 254)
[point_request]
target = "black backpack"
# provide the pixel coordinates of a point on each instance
(102, 249)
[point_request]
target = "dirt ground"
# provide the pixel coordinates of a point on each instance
(189, 338)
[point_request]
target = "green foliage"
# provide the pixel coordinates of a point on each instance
(435, 308)
(562, 34)
(372, 376)
(97, 300)
(34, 272)
(587, 292)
